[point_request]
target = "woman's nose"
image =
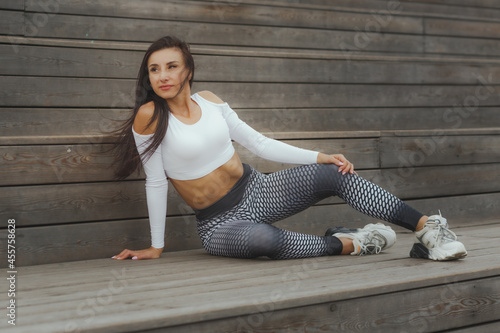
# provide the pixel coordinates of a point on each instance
(163, 76)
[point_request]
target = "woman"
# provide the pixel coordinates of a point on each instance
(187, 139)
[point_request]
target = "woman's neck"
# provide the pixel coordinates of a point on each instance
(181, 104)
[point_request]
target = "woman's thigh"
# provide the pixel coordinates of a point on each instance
(287, 192)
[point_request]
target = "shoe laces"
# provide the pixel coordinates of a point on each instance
(370, 246)
(440, 228)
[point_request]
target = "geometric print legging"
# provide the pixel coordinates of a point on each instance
(246, 230)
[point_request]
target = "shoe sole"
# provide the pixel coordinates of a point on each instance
(420, 251)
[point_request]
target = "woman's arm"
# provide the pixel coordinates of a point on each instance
(271, 149)
(156, 189)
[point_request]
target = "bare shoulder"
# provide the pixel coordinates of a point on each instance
(143, 117)
(211, 97)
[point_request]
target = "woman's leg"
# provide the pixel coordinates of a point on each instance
(247, 239)
(270, 198)
(287, 192)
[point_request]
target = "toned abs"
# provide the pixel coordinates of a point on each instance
(202, 192)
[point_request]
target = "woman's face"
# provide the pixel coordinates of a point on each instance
(167, 72)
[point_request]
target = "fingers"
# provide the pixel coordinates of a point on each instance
(126, 254)
(344, 165)
(151, 253)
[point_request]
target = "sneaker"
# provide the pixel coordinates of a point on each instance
(436, 242)
(372, 239)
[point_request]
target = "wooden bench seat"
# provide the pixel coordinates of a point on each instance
(192, 291)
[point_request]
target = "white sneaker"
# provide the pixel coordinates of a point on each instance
(436, 242)
(372, 239)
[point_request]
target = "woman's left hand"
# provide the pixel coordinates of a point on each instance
(338, 159)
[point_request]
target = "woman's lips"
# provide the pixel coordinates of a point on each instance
(165, 87)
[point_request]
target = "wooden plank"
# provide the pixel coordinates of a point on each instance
(491, 327)
(393, 120)
(110, 201)
(118, 29)
(461, 45)
(61, 294)
(77, 62)
(408, 181)
(462, 28)
(251, 51)
(76, 163)
(82, 241)
(88, 285)
(190, 266)
(68, 92)
(11, 23)
(302, 95)
(420, 310)
(22, 126)
(239, 13)
(43, 92)
(12, 4)
(55, 164)
(410, 7)
(71, 62)
(439, 150)
(294, 285)
(468, 3)
(63, 123)
(59, 204)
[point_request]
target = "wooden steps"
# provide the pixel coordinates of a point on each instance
(192, 291)
(408, 90)
(413, 103)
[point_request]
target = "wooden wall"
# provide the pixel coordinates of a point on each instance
(407, 90)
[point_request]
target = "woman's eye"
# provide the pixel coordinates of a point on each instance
(172, 66)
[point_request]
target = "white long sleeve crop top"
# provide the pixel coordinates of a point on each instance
(193, 151)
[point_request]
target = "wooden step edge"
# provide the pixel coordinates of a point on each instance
(322, 135)
(243, 51)
(414, 12)
(399, 9)
(443, 132)
(312, 135)
(54, 140)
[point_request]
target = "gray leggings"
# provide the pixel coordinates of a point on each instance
(240, 224)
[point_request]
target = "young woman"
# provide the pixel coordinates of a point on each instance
(187, 139)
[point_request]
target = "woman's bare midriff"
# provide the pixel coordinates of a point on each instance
(202, 192)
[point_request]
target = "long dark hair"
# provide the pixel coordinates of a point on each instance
(126, 157)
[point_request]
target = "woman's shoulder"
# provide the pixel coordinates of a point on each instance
(142, 119)
(210, 96)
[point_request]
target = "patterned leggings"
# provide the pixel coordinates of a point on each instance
(245, 231)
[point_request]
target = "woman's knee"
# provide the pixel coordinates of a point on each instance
(264, 240)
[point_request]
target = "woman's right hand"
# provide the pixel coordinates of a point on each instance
(151, 253)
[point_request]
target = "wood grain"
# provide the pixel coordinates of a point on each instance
(28, 126)
(12, 4)
(11, 23)
(45, 164)
(80, 62)
(238, 12)
(112, 93)
(439, 150)
(462, 28)
(119, 29)
(310, 292)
